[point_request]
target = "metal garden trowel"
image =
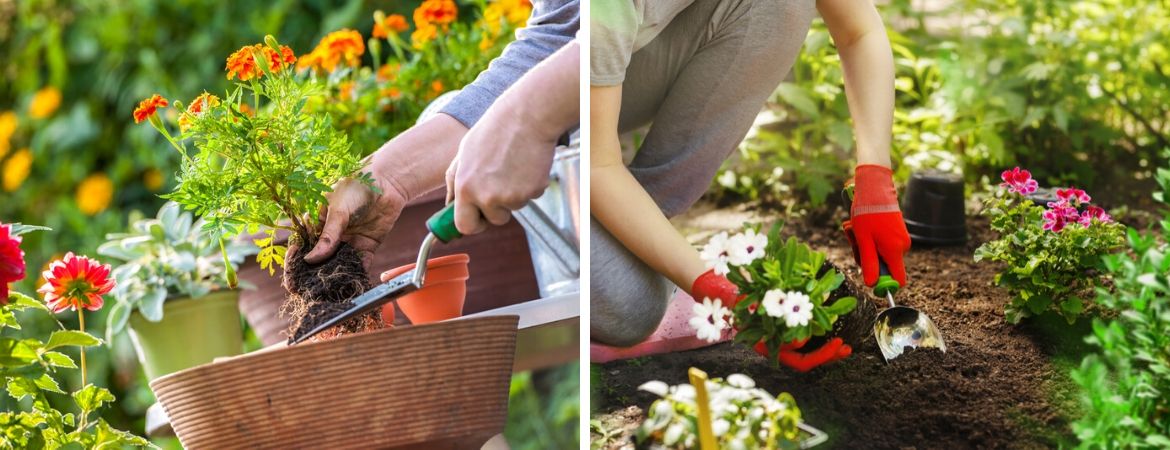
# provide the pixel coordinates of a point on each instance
(899, 327)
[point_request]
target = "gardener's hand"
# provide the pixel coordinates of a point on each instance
(710, 285)
(503, 163)
(834, 350)
(878, 228)
(358, 216)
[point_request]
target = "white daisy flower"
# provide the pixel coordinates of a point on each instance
(720, 427)
(746, 247)
(716, 253)
(654, 387)
(798, 310)
(772, 303)
(741, 381)
(710, 320)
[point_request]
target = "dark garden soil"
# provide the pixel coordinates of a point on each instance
(998, 385)
(319, 292)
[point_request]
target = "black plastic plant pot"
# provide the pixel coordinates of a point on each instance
(1043, 196)
(934, 208)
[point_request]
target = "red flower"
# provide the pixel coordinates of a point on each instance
(148, 107)
(11, 261)
(1019, 181)
(77, 282)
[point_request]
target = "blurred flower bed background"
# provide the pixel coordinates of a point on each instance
(1075, 90)
(72, 159)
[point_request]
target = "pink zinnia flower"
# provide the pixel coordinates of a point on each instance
(1019, 181)
(76, 282)
(1073, 193)
(11, 261)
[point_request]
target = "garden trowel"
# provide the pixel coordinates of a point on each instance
(442, 228)
(899, 327)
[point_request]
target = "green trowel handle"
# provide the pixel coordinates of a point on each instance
(886, 284)
(442, 224)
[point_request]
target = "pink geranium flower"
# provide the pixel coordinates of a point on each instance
(1094, 212)
(11, 261)
(1019, 181)
(1073, 193)
(1054, 220)
(76, 282)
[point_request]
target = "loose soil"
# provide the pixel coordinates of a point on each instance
(319, 292)
(998, 385)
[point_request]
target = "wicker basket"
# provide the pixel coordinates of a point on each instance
(433, 386)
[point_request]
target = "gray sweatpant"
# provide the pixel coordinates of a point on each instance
(699, 85)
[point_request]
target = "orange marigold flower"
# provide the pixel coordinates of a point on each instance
(246, 109)
(437, 87)
(201, 103)
(345, 90)
(342, 45)
(388, 72)
(148, 107)
(76, 282)
(396, 23)
(242, 63)
(435, 12)
(392, 93)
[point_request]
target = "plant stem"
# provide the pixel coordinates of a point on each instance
(81, 320)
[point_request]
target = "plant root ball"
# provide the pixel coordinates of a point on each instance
(318, 292)
(855, 328)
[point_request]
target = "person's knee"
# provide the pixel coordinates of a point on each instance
(627, 298)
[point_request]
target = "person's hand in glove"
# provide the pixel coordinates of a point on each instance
(713, 286)
(875, 227)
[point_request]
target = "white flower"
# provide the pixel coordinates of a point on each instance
(654, 387)
(746, 247)
(798, 310)
(673, 434)
(710, 320)
(741, 381)
(772, 301)
(683, 393)
(720, 427)
(716, 253)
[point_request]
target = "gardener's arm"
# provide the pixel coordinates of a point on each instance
(504, 160)
(868, 62)
(623, 207)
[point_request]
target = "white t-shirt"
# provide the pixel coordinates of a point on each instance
(621, 27)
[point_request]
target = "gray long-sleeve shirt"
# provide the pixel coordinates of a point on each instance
(553, 24)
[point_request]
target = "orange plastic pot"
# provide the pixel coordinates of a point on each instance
(441, 296)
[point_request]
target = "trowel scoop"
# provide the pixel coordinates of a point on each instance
(899, 327)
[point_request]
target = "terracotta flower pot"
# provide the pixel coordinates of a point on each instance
(437, 386)
(441, 296)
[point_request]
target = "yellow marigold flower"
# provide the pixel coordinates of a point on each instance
(94, 194)
(435, 13)
(153, 180)
(486, 43)
(422, 35)
(512, 12)
(342, 45)
(44, 103)
(16, 170)
(7, 129)
(201, 103)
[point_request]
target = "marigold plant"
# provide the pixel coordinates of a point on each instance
(1052, 256)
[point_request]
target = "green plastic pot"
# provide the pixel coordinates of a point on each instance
(193, 331)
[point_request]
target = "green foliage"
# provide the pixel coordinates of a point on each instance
(1045, 269)
(1126, 384)
(166, 257)
(790, 267)
(27, 366)
(251, 171)
(544, 409)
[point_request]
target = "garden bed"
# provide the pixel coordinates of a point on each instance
(997, 386)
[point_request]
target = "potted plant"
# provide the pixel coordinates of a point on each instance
(257, 161)
(728, 413)
(788, 292)
(1051, 255)
(170, 286)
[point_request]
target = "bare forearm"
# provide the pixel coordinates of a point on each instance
(868, 63)
(415, 161)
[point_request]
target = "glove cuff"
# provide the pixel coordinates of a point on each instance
(710, 285)
(873, 191)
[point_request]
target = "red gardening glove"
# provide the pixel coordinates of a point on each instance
(834, 350)
(710, 285)
(876, 222)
